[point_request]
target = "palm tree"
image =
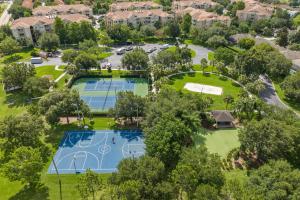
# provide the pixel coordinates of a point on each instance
(228, 99)
(203, 63)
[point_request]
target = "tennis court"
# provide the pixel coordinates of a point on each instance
(100, 93)
(100, 151)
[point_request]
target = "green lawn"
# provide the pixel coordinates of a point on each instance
(24, 55)
(229, 87)
(209, 68)
(280, 93)
(49, 188)
(219, 141)
(6, 106)
(48, 70)
(211, 55)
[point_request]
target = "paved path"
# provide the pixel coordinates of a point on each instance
(269, 95)
(4, 19)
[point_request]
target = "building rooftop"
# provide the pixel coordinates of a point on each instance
(136, 13)
(199, 15)
(26, 22)
(27, 4)
(252, 6)
(190, 2)
(222, 116)
(59, 8)
(126, 5)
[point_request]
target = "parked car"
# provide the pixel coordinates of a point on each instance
(165, 46)
(36, 60)
(129, 48)
(121, 51)
(151, 50)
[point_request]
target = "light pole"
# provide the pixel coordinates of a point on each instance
(59, 181)
(74, 160)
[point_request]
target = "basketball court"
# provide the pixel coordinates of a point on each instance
(100, 151)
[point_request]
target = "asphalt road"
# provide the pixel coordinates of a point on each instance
(269, 94)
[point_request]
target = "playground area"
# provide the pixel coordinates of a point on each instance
(100, 94)
(100, 151)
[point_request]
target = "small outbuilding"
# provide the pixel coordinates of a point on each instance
(223, 118)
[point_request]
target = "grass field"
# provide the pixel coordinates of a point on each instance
(219, 141)
(229, 87)
(49, 188)
(295, 106)
(48, 70)
(24, 55)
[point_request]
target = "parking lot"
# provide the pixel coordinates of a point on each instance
(115, 60)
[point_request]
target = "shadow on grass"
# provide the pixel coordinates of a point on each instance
(31, 193)
(55, 134)
(16, 99)
(223, 78)
(191, 74)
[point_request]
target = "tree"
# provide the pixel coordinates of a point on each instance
(217, 41)
(274, 180)
(136, 36)
(202, 168)
(60, 30)
(18, 11)
(282, 37)
(170, 122)
(85, 61)
(86, 44)
(228, 99)
(291, 87)
(245, 107)
(246, 43)
(278, 66)
(128, 105)
(224, 55)
(206, 192)
(268, 139)
(256, 87)
(186, 23)
(166, 139)
(87, 31)
(9, 46)
(49, 41)
(25, 165)
(135, 60)
(36, 87)
(172, 29)
(89, 184)
(167, 60)
(16, 74)
(20, 130)
(119, 33)
(148, 30)
(142, 178)
(203, 64)
(69, 56)
(62, 103)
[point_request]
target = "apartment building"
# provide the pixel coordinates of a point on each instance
(27, 28)
(127, 6)
(63, 10)
(202, 19)
(254, 10)
(27, 4)
(137, 17)
(198, 4)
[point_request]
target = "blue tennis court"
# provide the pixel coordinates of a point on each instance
(100, 151)
(99, 102)
(109, 85)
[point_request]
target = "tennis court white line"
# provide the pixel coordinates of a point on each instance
(106, 135)
(57, 155)
(88, 143)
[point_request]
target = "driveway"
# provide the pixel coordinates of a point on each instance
(4, 19)
(201, 52)
(269, 94)
(51, 61)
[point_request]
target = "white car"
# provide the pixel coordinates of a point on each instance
(121, 51)
(165, 46)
